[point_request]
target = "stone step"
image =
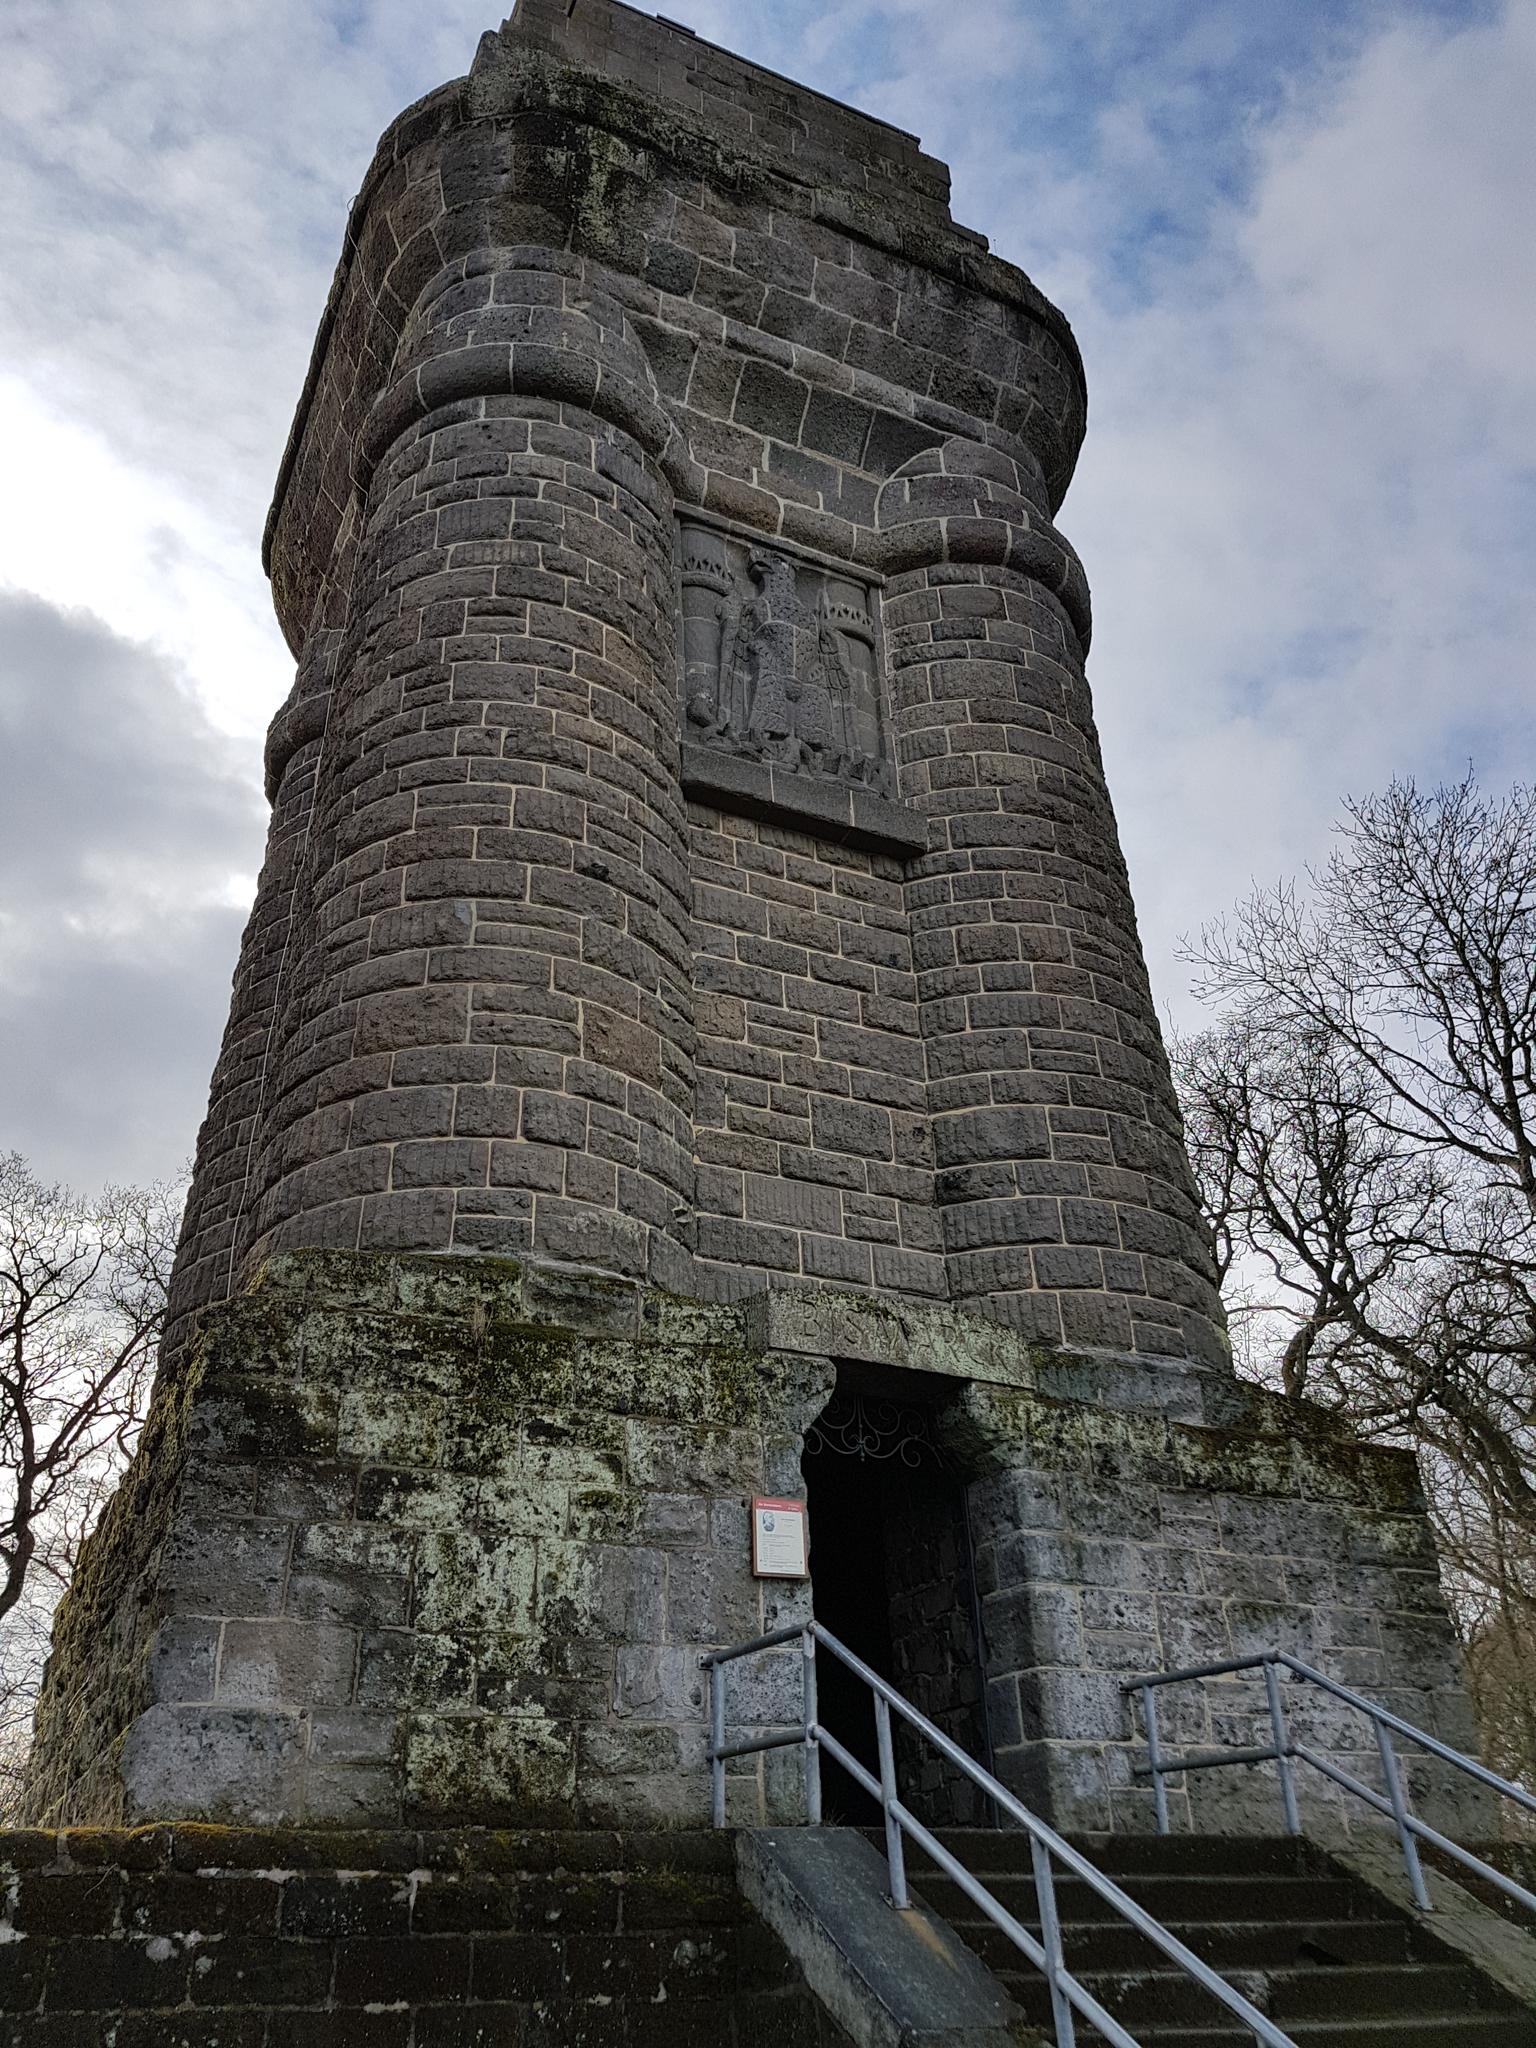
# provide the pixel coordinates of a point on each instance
(1199, 1899)
(1321, 1955)
(1225, 1945)
(1192, 1855)
(1163, 1998)
(1461, 2030)
(1007, 1849)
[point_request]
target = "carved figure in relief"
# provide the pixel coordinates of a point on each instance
(837, 675)
(710, 612)
(779, 661)
(765, 648)
(847, 635)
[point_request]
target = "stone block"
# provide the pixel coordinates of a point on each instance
(799, 1205)
(620, 1597)
(233, 1565)
(375, 1425)
(298, 1664)
(407, 1668)
(349, 1574)
(771, 402)
(1027, 1627)
(230, 1764)
(1071, 1706)
(487, 1771)
(705, 1604)
(666, 1519)
(468, 1581)
(856, 1127)
(421, 1500)
(653, 1682)
(183, 1660)
(409, 1017)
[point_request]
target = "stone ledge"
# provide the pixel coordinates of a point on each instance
(198, 1846)
(829, 810)
(892, 1979)
(1466, 1929)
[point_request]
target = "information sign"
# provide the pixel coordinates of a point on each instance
(778, 1539)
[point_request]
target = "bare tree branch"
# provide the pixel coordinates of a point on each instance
(82, 1302)
(1362, 1119)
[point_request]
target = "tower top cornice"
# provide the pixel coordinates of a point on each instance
(589, 100)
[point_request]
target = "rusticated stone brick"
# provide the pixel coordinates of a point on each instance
(489, 868)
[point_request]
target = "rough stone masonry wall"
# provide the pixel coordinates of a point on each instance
(446, 1539)
(1115, 1543)
(218, 1201)
(485, 1037)
(444, 1546)
(676, 1013)
(230, 1938)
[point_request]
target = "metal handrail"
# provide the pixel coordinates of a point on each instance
(1069, 1996)
(1283, 1751)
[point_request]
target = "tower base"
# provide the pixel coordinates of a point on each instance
(425, 1542)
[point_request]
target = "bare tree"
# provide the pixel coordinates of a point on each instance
(82, 1301)
(1490, 1565)
(1362, 1119)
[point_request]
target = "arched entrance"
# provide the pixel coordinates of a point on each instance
(893, 1577)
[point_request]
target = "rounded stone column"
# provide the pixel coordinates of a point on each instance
(1066, 1199)
(482, 1038)
(214, 1224)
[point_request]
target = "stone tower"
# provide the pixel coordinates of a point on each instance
(692, 1011)
(691, 856)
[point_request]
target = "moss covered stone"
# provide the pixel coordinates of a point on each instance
(391, 1554)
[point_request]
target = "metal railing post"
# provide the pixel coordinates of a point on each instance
(895, 1849)
(811, 1755)
(716, 1744)
(1399, 1800)
(1050, 1941)
(1155, 1758)
(1277, 1729)
(1392, 1802)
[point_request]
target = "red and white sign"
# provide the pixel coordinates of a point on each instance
(778, 1539)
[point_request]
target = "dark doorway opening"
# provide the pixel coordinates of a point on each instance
(892, 1578)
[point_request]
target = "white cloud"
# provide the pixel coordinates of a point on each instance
(177, 182)
(1305, 503)
(79, 524)
(129, 837)
(1394, 219)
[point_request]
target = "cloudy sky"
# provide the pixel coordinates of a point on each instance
(1295, 242)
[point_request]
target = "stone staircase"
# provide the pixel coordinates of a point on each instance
(1319, 1953)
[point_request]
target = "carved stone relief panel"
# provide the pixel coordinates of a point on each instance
(781, 662)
